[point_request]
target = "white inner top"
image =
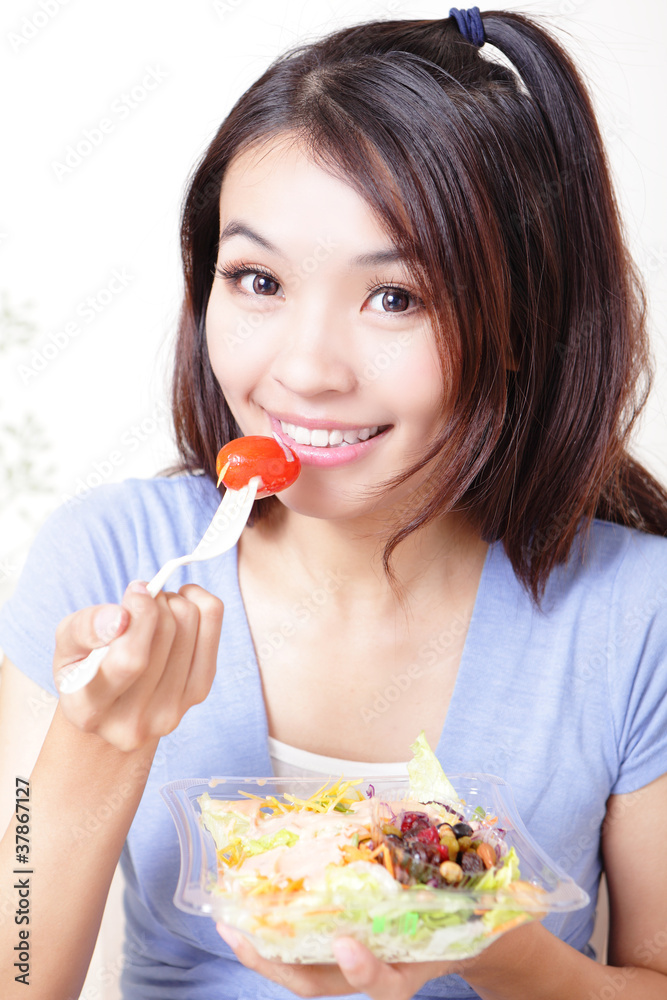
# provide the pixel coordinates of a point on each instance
(289, 761)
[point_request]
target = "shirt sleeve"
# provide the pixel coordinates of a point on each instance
(637, 664)
(78, 558)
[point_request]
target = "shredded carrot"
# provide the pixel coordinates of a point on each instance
(326, 909)
(514, 922)
(360, 853)
(387, 860)
(323, 800)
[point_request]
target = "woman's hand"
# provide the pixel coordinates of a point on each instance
(358, 970)
(161, 661)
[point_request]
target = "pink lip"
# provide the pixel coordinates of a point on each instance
(326, 457)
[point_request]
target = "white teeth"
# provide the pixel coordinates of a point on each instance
(319, 437)
(322, 438)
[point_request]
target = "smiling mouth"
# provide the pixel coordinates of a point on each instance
(320, 437)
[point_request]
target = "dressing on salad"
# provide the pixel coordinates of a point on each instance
(412, 877)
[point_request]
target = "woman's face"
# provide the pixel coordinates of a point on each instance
(316, 332)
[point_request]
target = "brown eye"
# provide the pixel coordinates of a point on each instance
(391, 300)
(261, 283)
(394, 301)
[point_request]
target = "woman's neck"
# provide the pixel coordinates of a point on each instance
(441, 561)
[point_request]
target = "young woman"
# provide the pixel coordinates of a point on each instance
(405, 259)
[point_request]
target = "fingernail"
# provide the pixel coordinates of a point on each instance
(107, 622)
(232, 937)
(137, 587)
(347, 954)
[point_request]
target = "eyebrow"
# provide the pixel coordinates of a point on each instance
(236, 228)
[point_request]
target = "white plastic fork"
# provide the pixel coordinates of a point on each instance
(222, 534)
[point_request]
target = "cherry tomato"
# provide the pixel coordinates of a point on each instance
(257, 455)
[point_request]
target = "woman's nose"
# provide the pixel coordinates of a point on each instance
(313, 360)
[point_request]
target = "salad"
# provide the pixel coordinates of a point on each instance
(414, 873)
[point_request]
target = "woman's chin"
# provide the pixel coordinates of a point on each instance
(316, 502)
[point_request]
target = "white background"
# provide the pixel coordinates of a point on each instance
(66, 66)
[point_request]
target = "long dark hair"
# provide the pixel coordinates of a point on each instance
(496, 187)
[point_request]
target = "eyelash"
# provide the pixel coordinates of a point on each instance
(231, 272)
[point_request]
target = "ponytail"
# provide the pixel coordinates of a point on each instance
(600, 329)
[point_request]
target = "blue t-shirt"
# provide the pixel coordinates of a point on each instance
(568, 704)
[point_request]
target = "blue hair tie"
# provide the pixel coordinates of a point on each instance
(470, 25)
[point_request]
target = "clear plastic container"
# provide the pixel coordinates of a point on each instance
(419, 923)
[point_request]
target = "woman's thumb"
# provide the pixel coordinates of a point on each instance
(87, 629)
(108, 621)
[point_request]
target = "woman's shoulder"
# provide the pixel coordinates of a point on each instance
(116, 529)
(610, 568)
(159, 493)
(614, 583)
(139, 507)
(624, 556)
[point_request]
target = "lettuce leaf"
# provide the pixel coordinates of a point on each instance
(428, 781)
(496, 918)
(223, 823)
(230, 828)
(360, 881)
(499, 878)
(282, 838)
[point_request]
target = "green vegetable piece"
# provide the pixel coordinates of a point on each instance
(428, 781)
(378, 925)
(408, 923)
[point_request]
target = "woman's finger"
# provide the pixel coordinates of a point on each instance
(130, 654)
(127, 657)
(358, 969)
(367, 974)
(303, 980)
(84, 630)
(167, 699)
(204, 661)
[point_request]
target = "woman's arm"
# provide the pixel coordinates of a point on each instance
(530, 963)
(99, 746)
(70, 875)
(634, 859)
